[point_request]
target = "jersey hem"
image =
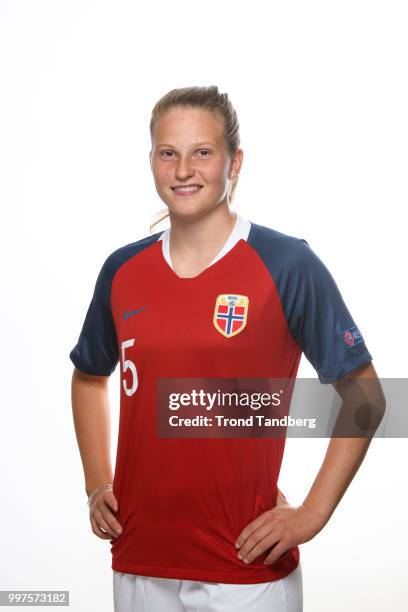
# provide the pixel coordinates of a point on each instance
(86, 369)
(203, 575)
(345, 367)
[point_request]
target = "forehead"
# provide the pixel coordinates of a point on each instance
(181, 124)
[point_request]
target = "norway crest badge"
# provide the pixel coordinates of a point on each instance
(230, 314)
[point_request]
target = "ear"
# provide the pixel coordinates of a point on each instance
(236, 164)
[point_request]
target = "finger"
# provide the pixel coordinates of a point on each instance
(279, 550)
(269, 540)
(110, 499)
(102, 523)
(109, 518)
(249, 529)
(97, 531)
(254, 540)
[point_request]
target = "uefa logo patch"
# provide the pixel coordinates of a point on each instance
(352, 336)
(230, 314)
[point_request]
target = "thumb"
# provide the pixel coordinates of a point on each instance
(111, 500)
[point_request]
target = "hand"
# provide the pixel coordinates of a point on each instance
(281, 528)
(103, 521)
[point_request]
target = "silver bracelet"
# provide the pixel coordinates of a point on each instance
(95, 491)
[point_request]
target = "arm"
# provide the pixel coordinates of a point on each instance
(285, 526)
(90, 408)
(343, 456)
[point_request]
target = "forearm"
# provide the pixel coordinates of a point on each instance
(91, 414)
(342, 460)
(363, 407)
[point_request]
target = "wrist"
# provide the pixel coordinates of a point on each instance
(321, 516)
(92, 483)
(102, 487)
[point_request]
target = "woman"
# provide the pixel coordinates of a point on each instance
(198, 523)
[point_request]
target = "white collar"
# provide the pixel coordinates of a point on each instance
(240, 230)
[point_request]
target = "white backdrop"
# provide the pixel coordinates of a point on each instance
(321, 93)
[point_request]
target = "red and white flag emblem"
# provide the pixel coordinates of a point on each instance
(230, 314)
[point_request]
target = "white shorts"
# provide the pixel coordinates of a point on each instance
(134, 593)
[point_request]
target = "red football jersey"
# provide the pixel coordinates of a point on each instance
(183, 502)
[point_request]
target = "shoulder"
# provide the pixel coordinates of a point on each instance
(122, 254)
(117, 258)
(278, 249)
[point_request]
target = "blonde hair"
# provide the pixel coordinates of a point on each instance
(206, 98)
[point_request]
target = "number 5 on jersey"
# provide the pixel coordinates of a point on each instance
(127, 364)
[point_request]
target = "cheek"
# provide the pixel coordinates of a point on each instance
(216, 174)
(161, 175)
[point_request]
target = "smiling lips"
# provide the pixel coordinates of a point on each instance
(186, 189)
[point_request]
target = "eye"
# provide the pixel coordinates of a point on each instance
(168, 153)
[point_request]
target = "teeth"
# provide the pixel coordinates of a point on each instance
(188, 188)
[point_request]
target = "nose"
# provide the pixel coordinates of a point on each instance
(184, 168)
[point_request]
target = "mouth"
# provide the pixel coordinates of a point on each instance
(186, 190)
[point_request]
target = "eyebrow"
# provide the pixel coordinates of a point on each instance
(196, 144)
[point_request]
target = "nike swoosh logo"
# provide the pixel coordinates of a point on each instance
(128, 314)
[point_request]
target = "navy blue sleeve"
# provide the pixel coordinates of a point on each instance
(314, 309)
(96, 351)
(319, 318)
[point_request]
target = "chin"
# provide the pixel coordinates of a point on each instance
(189, 212)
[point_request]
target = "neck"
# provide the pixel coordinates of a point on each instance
(204, 234)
